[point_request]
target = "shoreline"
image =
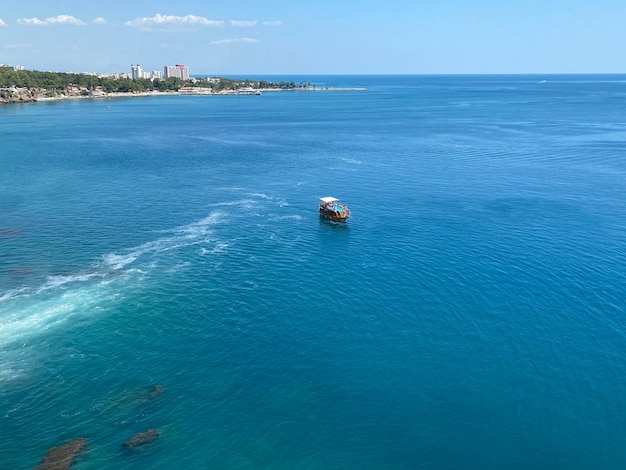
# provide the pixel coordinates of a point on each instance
(181, 92)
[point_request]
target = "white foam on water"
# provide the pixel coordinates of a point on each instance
(240, 202)
(218, 248)
(52, 282)
(335, 168)
(231, 188)
(28, 312)
(60, 280)
(185, 235)
(201, 227)
(285, 217)
(179, 267)
(260, 195)
(24, 320)
(351, 160)
(246, 203)
(27, 317)
(35, 318)
(115, 261)
(13, 293)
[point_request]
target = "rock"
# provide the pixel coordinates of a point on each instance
(62, 457)
(142, 439)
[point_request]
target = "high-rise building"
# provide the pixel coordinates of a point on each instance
(136, 71)
(177, 71)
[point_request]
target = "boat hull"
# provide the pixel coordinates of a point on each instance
(334, 216)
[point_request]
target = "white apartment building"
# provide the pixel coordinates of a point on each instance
(136, 71)
(177, 71)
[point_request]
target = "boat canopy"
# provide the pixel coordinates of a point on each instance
(328, 199)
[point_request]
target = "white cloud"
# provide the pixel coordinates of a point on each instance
(53, 20)
(65, 19)
(272, 23)
(231, 41)
(31, 22)
(162, 22)
(100, 20)
(2, 23)
(243, 23)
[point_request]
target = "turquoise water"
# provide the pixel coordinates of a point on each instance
(469, 315)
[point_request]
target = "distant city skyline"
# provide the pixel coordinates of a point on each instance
(280, 37)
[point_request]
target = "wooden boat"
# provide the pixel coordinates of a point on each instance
(332, 209)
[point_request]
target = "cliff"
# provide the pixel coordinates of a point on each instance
(18, 95)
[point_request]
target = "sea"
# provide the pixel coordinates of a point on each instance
(163, 266)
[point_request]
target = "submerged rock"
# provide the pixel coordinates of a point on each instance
(142, 439)
(137, 398)
(154, 392)
(9, 232)
(147, 395)
(62, 457)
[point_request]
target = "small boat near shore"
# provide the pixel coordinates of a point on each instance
(332, 209)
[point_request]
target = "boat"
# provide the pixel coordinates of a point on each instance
(332, 209)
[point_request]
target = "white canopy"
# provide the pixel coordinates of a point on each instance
(328, 199)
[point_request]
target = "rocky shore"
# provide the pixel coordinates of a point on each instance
(18, 95)
(25, 95)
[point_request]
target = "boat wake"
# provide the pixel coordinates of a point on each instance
(192, 234)
(27, 312)
(186, 235)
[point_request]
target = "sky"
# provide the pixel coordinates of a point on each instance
(289, 37)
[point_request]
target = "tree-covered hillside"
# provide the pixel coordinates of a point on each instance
(56, 81)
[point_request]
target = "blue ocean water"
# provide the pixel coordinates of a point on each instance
(163, 265)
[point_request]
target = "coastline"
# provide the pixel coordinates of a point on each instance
(107, 95)
(181, 92)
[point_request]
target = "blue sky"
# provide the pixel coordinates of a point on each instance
(317, 37)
